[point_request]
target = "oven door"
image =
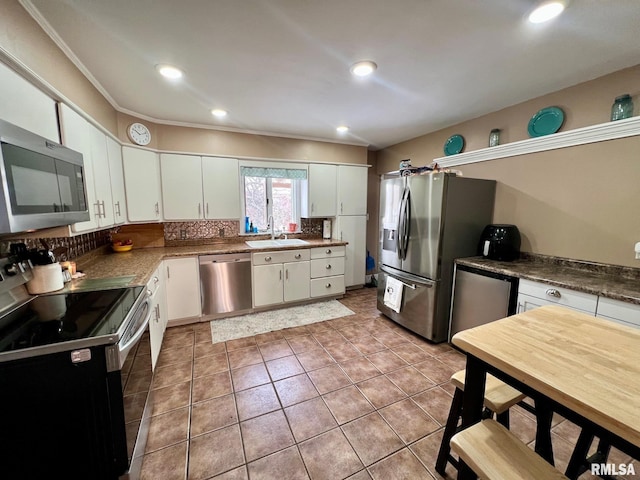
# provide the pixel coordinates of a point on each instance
(133, 379)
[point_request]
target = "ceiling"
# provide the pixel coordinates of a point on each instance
(282, 66)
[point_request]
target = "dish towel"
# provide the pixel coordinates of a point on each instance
(393, 294)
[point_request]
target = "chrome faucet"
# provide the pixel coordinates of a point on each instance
(270, 223)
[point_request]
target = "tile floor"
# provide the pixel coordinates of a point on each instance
(355, 397)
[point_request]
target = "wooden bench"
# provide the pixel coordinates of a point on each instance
(498, 398)
(494, 453)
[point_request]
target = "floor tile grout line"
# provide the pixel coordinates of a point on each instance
(338, 363)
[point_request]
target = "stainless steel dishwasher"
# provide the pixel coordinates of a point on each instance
(225, 282)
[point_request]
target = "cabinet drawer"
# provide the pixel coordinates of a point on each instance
(328, 252)
(284, 256)
(326, 267)
(321, 287)
(617, 310)
(559, 296)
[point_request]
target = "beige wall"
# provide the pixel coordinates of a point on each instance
(223, 143)
(578, 202)
(22, 38)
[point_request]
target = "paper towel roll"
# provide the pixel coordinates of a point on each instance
(46, 278)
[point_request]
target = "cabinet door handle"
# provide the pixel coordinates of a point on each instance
(328, 267)
(286, 274)
(96, 213)
(267, 259)
(341, 208)
(281, 275)
(312, 207)
(207, 209)
(298, 256)
(157, 208)
(199, 210)
(168, 275)
(552, 292)
(118, 210)
(156, 279)
(328, 285)
(328, 251)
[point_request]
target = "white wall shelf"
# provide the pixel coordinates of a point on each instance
(628, 127)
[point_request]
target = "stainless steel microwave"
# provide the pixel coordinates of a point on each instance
(43, 182)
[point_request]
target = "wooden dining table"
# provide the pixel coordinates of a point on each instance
(585, 368)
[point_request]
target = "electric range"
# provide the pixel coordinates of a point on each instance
(75, 377)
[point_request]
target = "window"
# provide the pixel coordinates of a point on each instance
(272, 192)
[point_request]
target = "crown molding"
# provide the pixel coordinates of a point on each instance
(628, 127)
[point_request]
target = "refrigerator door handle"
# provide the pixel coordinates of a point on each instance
(406, 277)
(400, 226)
(406, 223)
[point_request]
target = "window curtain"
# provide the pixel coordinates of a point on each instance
(266, 172)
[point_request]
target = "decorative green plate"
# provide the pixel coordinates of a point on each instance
(454, 144)
(546, 121)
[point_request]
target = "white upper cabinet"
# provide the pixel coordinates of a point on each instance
(26, 106)
(221, 186)
(197, 188)
(101, 178)
(77, 135)
(119, 199)
(320, 192)
(352, 190)
(181, 187)
(142, 184)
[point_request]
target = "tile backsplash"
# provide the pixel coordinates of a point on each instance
(214, 231)
(175, 234)
(75, 246)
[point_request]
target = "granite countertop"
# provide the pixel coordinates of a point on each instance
(141, 263)
(611, 281)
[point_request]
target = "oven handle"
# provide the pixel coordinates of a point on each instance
(123, 350)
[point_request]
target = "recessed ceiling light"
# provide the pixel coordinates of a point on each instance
(218, 112)
(168, 71)
(342, 129)
(546, 12)
(364, 68)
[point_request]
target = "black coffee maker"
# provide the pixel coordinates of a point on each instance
(500, 242)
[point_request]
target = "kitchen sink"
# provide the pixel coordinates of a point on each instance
(275, 243)
(291, 241)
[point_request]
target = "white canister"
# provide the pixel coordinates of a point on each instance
(326, 229)
(46, 278)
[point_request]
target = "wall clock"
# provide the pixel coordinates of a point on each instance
(139, 134)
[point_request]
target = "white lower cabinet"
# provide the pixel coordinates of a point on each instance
(327, 271)
(280, 276)
(183, 287)
(621, 312)
(536, 294)
(353, 229)
(296, 281)
(156, 290)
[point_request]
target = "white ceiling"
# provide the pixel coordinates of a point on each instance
(282, 66)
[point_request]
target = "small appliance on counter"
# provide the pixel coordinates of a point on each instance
(46, 278)
(500, 242)
(326, 229)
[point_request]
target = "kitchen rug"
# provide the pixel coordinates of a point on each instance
(262, 322)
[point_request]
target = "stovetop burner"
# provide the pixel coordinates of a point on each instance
(52, 319)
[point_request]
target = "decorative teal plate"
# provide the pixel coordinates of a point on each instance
(453, 145)
(546, 121)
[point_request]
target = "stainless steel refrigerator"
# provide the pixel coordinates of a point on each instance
(427, 221)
